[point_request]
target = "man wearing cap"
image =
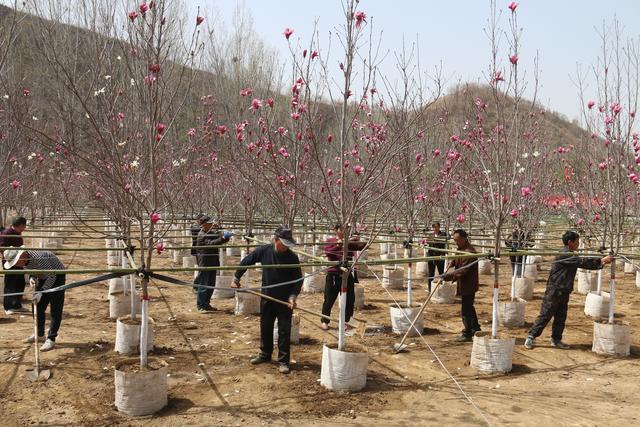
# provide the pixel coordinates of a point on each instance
(283, 284)
(13, 283)
(209, 235)
(45, 284)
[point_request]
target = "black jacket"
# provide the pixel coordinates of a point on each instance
(194, 230)
(564, 270)
(440, 243)
(209, 257)
(267, 255)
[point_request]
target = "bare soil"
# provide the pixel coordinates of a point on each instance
(212, 383)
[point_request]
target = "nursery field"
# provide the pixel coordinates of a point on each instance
(212, 383)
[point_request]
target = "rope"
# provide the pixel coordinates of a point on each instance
(444, 368)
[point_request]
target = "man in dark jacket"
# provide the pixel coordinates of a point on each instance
(559, 286)
(466, 274)
(13, 283)
(333, 282)
(194, 229)
(283, 284)
(437, 242)
(208, 257)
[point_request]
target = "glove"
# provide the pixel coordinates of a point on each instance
(33, 282)
(227, 234)
(36, 297)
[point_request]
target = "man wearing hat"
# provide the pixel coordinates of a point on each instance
(209, 235)
(13, 283)
(42, 260)
(279, 283)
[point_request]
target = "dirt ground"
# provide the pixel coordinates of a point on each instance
(212, 383)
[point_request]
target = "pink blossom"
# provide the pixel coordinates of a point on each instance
(638, 160)
(191, 132)
(133, 15)
(453, 138)
(283, 152)
(602, 165)
(590, 104)
(270, 102)
(161, 127)
(99, 195)
(15, 184)
(632, 114)
(460, 218)
(143, 8)
(221, 129)
(246, 91)
(608, 120)
(199, 20)
(154, 217)
(525, 191)
(358, 169)
(580, 222)
(282, 131)
(436, 152)
(360, 18)
(329, 172)
(256, 104)
(418, 158)
(127, 188)
(159, 247)
(154, 68)
(497, 77)
(314, 54)
(25, 92)
(149, 80)
(512, 6)
(287, 32)
(295, 116)
(633, 178)
(329, 138)
(513, 59)
(514, 213)
(616, 108)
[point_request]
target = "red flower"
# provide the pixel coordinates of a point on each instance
(360, 17)
(314, 54)
(358, 169)
(133, 15)
(199, 20)
(513, 59)
(154, 68)
(512, 6)
(161, 127)
(590, 104)
(287, 32)
(15, 184)
(159, 247)
(143, 8)
(154, 217)
(25, 92)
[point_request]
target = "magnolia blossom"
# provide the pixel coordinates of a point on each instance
(161, 127)
(159, 247)
(256, 104)
(514, 213)
(15, 184)
(460, 218)
(133, 15)
(246, 91)
(525, 191)
(358, 169)
(282, 131)
(591, 104)
(199, 20)
(154, 217)
(512, 6)
(360, 17)
(418, 158)
(513, 59)
(287, 32)
(314, 54)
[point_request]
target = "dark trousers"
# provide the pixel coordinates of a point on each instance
(269, 312)
(332, 286)
(469, 316)
(516, 265)
(56, 300)
(554, 304)
(205, 278)
(13, 283)
(432, 270)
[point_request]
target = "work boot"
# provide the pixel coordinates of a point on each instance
(29, 340)
(206, 310)
(529, 343)
(259, 359)
(464, 338)
(324, 326)
(559, 344)
(284, 368)
(48, 345)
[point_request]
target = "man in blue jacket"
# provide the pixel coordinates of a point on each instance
(280, 283)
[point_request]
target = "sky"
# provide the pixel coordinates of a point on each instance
(563, 33)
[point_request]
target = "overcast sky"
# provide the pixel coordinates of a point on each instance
(563, 32)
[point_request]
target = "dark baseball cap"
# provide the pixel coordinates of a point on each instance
(285, 235)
